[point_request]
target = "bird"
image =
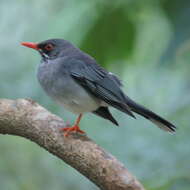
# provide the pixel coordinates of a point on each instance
(74, 80)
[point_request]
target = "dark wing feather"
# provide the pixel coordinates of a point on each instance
(105, 113)
(100, 83)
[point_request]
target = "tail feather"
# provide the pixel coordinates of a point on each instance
(154, 118)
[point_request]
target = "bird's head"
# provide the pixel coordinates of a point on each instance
(50, 49)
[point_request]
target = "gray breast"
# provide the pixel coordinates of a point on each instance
(64, 90)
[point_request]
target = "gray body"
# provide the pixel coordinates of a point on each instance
(59, 85)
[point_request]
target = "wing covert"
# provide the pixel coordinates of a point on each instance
(100, 83)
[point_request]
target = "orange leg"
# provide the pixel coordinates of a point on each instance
(74, 128)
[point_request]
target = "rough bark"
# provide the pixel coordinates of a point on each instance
(28, 119)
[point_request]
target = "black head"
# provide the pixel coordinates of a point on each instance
(52, 48)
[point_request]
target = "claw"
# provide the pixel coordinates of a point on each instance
(74, 128)
(68, 130)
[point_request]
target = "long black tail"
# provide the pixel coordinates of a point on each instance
(156, 119)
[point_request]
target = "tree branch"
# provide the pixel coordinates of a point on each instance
(26, 118)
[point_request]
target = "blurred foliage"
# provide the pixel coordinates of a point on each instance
(146, 43)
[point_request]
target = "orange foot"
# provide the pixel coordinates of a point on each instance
(74, 128)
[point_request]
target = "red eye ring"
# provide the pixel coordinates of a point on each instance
(48, 47)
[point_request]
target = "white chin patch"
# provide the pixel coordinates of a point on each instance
(45, 55)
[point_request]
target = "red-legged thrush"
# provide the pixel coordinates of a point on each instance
(74, 80)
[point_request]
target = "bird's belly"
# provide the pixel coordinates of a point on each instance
(78, 102)
(78, 105)
(74, 97)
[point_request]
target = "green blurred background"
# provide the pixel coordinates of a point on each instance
(146, 43)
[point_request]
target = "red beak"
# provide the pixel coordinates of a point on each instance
(30, 45)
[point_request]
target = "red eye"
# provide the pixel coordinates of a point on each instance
(48, 47)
